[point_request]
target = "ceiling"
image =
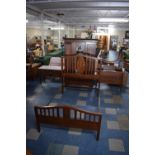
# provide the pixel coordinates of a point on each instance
(77, 13)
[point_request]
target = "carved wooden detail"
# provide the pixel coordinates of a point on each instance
(80, 70)
(80, 65)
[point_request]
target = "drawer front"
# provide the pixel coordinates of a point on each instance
(111, 77)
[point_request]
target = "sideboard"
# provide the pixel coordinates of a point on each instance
(74, 45)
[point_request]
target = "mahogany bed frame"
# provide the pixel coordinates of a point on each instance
(68, 116)
(80, 70)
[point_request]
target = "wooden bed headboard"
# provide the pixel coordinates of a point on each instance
(80, 64)
(79, 70)
(68, 116)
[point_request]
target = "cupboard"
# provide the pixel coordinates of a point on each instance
(102, 42)
(74, 45)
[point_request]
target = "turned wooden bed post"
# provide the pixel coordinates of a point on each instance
(62, 79)
(37, 119)
(99, 127)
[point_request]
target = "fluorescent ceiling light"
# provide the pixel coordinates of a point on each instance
(49, 22)
(101, 27)
(57, 28)
(102, 30)
(27, 21)
(122, 20)
(111, 26)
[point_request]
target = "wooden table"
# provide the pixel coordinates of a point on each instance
(49, 71)
(32, 70)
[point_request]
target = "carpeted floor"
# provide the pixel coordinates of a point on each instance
(114, 134)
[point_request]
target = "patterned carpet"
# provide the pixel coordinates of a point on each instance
(52, 140)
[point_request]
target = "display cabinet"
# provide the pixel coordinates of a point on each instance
(75, 45)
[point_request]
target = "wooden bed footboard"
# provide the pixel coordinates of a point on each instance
(68, 116)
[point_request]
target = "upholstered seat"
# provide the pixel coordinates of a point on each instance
(55, 61)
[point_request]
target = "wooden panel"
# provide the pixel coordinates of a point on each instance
(68, 47)
(102, 42)
(80, 65)
(72, 46)
(91, 48)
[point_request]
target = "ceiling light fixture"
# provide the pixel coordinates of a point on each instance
(111, 26)
(121, 20)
